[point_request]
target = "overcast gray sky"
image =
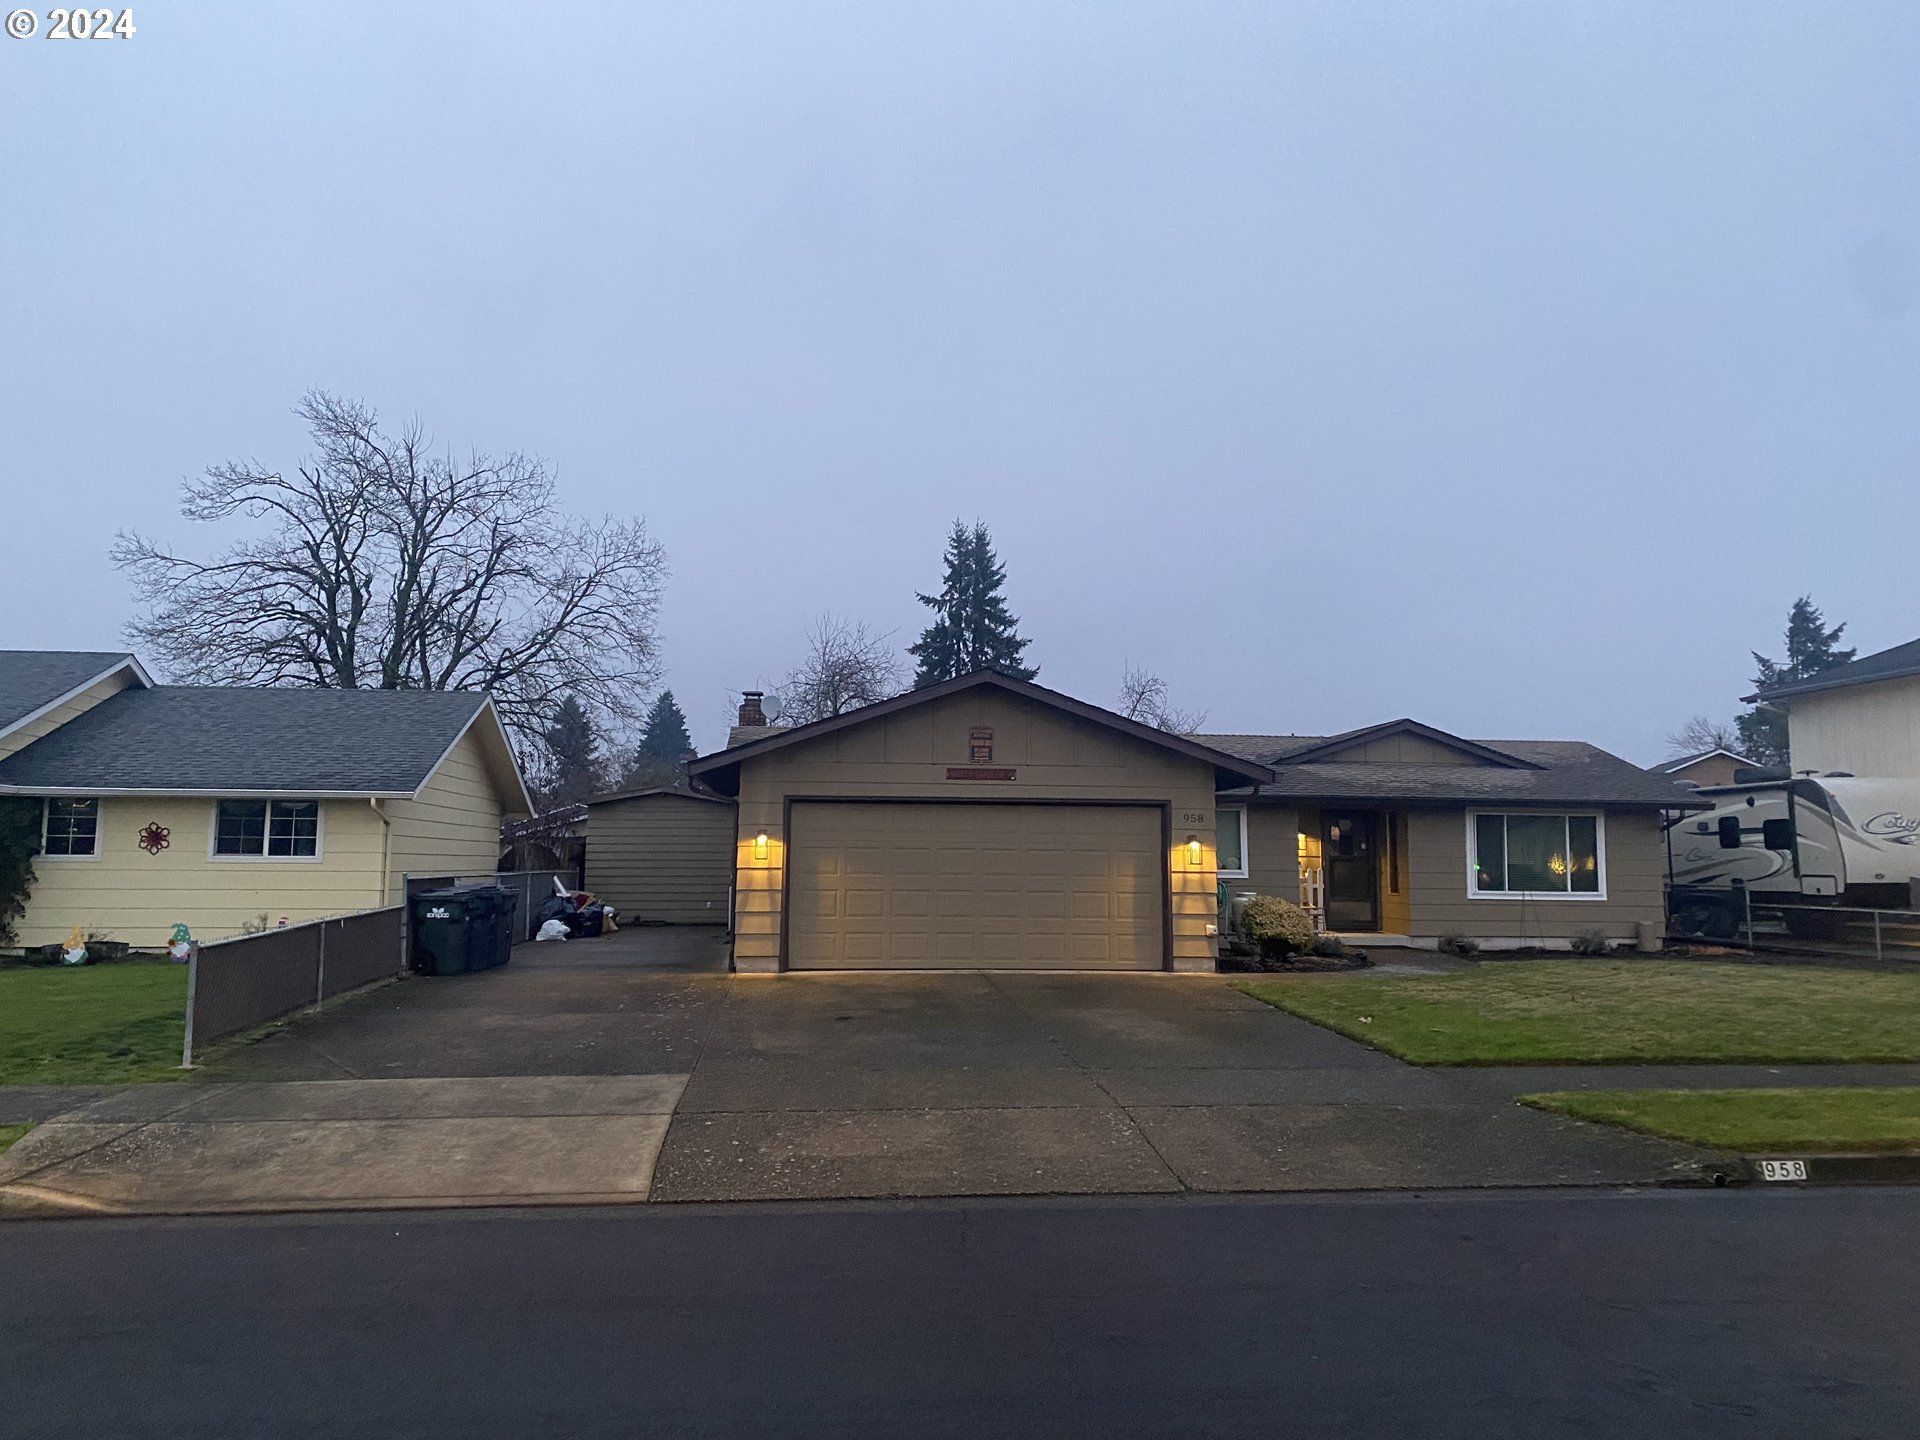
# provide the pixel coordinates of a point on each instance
(1511, 366)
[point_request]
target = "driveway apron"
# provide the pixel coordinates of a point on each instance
(633, 1067)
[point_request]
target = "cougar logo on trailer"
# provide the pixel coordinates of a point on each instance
(1892, 825)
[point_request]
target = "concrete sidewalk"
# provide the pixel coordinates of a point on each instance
(348, 1144)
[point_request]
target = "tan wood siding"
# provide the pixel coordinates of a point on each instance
(1402, 750)
(33, 730)
(1439, 905)
(956, 886)
(907, 753)
(664, 859)
(1273, 853)
(453, 826)
(1866, 729)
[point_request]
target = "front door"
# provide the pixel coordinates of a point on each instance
(1351, 870)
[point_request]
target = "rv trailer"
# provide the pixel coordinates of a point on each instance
(1838, 840)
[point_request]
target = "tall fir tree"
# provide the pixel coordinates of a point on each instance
(663, 741)
(573, 755)
(665, 736)
(972, 627)
(1812, 647)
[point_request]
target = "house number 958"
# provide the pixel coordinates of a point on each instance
(1193, 817)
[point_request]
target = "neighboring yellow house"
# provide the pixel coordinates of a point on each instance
(215, 806)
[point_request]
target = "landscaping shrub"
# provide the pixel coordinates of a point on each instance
(19, 843)
(1464, 946)
(1280, 926)
(1591, 942)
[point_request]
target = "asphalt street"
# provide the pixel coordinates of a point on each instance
(1541, 1314)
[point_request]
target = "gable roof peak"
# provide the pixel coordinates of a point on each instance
(1406, 725)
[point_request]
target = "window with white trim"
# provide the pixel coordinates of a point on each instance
(1534, 856)
(1230, 841)
(272, 829)
(73, 829)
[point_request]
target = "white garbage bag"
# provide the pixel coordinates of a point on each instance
(552, 930)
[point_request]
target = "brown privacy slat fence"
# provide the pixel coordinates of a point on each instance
(234, 985)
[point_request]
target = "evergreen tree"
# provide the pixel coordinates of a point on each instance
(665, 736)
(972, 628)
(573, 756)
(657, 759)
(1812, 647)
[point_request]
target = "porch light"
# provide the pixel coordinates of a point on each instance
(1193, 851)
(760, 846)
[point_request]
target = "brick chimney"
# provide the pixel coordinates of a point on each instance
(750, 711)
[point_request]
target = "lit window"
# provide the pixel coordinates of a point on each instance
(1537, 855)
(1230, 841)
(278, 829)
(73, 827)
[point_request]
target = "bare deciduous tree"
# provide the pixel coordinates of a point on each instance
(1701, 734)
(386, 566)
(1144, 697)
(847, 665)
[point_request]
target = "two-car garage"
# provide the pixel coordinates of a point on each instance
(982, 823)
(918, 884)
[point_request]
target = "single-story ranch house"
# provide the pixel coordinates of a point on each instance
(215, 805)
(988, 822)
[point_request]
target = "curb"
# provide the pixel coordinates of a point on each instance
(1833, 1169)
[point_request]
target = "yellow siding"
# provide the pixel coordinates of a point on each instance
(1395, 891)
(453, 828)
(1439, 905)
(127, 894)
(79, 705)
(906, 754)
(1866, 729)
(662, 858)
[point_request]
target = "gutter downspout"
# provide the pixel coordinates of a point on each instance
(386, 850)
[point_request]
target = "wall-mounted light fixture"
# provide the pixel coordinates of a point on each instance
(760, 846)
(1193, 851)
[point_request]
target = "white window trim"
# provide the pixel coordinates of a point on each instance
(319, 835)
(1219, 870)
(1582, 897)
(46, 819)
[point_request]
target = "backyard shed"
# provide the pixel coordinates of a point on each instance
(662, 856)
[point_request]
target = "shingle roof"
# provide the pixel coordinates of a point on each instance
(747, 734)
(238, 740)
(1893, 664)
(1559, 772)
(1667, 767)
(31, 680)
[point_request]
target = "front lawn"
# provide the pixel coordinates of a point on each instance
(1615, 1012)
(1755, 1120)
(11, 1133)
(91, 1024)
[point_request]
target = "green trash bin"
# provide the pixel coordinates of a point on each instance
(442, 932)
(508, 903)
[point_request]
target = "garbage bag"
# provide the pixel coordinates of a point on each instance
(552, 930)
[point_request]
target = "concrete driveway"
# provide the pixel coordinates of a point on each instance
(635, 1068)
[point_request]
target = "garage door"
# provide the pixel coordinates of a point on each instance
(946, 887)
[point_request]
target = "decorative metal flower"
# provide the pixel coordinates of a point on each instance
(155, 838)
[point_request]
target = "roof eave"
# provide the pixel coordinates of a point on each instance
(129, 662)
(221, 793)
(723, 760)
